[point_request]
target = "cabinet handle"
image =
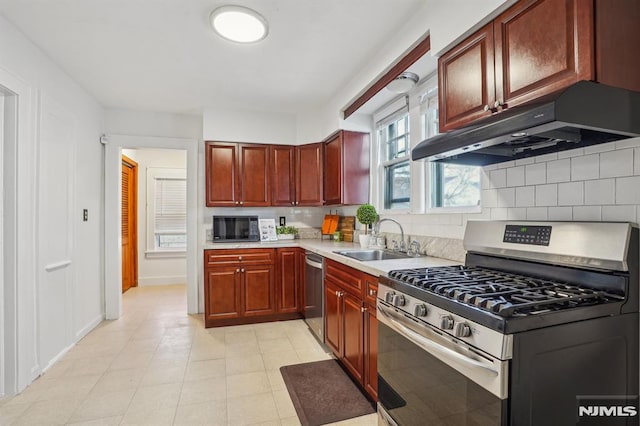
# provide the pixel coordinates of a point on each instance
(337, 293)
(363, 309)
(372, 292)
(237, 270)
(241, 202)
(293, 203)
(486, 108)
(240, 258)
(242, 270)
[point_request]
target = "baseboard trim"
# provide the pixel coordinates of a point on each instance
(89, 327)
(166, 280)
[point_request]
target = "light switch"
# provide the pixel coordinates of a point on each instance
(85, 215)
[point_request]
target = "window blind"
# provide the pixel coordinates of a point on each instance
(170, 205)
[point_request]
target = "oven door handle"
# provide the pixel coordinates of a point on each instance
(395, 322)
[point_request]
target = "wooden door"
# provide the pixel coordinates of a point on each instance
(371, 351)
(129, 223)
(221, 170)
(254, 175)
(283, 188)
(333, 171)
(353, 336)
(466, 76)
(333, 322)
(258, 294)
(309, 174)
(288, 287)
(542, 46)
(222, 287)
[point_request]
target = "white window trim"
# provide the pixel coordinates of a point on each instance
(154, 173)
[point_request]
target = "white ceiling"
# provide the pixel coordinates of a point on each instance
(161, 55)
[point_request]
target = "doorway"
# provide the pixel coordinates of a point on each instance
(116, 146)
(129, 228)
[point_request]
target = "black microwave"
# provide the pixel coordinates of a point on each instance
(235, 228)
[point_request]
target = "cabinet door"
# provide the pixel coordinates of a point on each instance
(222, 293)
(309, 174)
(221, 174)
(288, 286)
(355, 175)
(283, 188)
(333, 171)
(371, 352)
(353, 336)
(333, 321)
(258, 290)
(467, 80)
(542, 46)
(254, 180)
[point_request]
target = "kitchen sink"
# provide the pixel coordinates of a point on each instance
(372, 254)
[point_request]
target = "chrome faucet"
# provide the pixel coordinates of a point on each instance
(376, 230)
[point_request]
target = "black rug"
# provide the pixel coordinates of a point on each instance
(323, 393)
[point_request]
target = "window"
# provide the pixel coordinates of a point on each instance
(393, 140)
(166, 209)
(452, 185)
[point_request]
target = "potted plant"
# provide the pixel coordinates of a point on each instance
(366, 215)
(286, 232)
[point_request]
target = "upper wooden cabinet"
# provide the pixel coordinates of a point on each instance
(237, 175)
(346, 168)
(296, 175)
(534, 48)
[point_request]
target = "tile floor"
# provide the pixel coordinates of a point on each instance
(159, 366)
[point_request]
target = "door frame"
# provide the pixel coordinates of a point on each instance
(112, 225)
(134, 166)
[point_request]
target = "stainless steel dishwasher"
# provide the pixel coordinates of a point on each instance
(314, 294)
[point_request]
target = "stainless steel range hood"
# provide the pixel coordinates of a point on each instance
(584, 114)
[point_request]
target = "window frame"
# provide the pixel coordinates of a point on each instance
(153, 174)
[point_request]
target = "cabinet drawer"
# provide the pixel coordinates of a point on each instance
(226, 256)
(370, 289)
(349, 278)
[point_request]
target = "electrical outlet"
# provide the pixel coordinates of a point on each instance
(283, 221)
(85, 215)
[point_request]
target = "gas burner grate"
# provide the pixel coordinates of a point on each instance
(502, 293)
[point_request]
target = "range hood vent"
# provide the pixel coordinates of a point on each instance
(584, 114)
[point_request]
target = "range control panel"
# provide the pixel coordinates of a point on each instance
(525, 234)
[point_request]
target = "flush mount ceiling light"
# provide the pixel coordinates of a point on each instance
(403, 83)
(239, 24)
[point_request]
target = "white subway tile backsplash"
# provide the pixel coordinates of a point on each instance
(546, 157)
(506, 197)
(587, 213)
(636, 161)
(490, 198)
(560, 213)
(526, 196)
(559, 171)
(601, 191)
(603, 147)
(535, 173)
(628, 143)
(506, 164)
(619, 213)
(525, 161)
(499, 214)
(498, 178)
(484, 178)
(628, 190)
(517, 214)
(515, 176)
(571, 153)
(537, 213)
(616, 163)
(584, 168)
(570, 194)
(547, 195)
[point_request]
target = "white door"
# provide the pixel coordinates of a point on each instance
(55, 197)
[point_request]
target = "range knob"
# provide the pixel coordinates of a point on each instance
(388, 296)
(420, 310)
(446, 322)
(462, 330)
(398, 300)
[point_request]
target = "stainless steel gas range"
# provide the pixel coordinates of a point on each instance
(539, 327)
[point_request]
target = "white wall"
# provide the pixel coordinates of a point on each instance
(144, 123)
(21, 59)
(249, 126)
(165, 270)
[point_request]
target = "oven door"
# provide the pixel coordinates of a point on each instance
(428, 377)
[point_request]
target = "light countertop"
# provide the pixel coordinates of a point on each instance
(326, 248)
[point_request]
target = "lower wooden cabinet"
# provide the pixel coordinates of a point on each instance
(351, 328)
(252, 285)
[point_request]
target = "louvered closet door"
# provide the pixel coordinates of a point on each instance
(129, 201)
